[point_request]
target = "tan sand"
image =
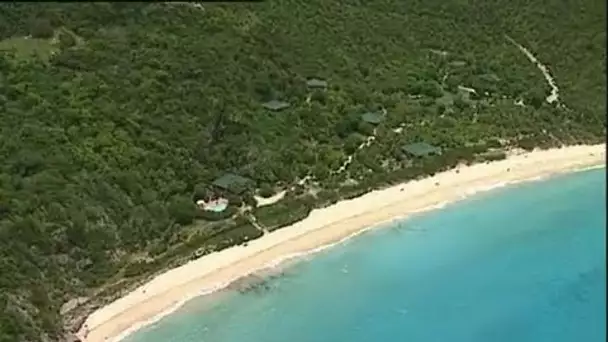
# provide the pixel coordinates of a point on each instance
(323, 227)
(261, 201)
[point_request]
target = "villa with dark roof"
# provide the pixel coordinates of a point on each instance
(315, 83)
(420, 149)
(275, 105)
(373, 118)
(233, 183)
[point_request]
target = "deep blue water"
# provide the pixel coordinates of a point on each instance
(522, 263)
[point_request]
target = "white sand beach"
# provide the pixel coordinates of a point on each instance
(322, 228)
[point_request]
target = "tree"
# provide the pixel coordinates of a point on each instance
(451, 84)
(365, 128)
(41, 28)
(234, 200)
(266, 190)
(66, 40)
(461, 103)
(441, 108)
(535, 97)
(347, 126)
(352, 143)
(320, 171)
(319, 96)
(201, 192)
(182, 210)
(431, 89)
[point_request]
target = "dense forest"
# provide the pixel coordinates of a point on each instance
(117, 117)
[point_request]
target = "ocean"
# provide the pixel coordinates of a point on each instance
(520, 263)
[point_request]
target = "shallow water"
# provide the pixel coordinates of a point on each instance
(521, 263)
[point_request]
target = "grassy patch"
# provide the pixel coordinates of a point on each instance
(27, 47)
(40, 48)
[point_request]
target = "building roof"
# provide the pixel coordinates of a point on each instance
(275, 105)
(373, 117)
(458, 63)
(232, 182)
(316, 83)
(421, 149)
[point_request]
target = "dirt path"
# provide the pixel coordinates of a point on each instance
(554, 96)
(368, 141)
(254, 221)
(270, 200)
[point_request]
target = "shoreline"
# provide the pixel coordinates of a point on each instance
(323, 229)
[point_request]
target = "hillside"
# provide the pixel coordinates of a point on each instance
(117, 117)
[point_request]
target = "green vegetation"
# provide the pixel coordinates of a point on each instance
(41, 44)
(28, 47)
(116, 117)
(284, 213)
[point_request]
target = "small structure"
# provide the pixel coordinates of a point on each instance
(275, 105)
(465, 94)
(458, 63)
(373, 118)
(467, 90)
(420, 149)
(233, 183)
(315, 83)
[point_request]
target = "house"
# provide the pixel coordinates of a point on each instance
(233, 183)
(275, 105)
(373, 118)
(315, 83)
(420, 149)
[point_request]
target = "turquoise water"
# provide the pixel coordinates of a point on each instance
(522, 263)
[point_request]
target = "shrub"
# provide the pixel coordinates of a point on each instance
(182, 210)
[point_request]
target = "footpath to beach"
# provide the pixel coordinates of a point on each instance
(321, 229)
